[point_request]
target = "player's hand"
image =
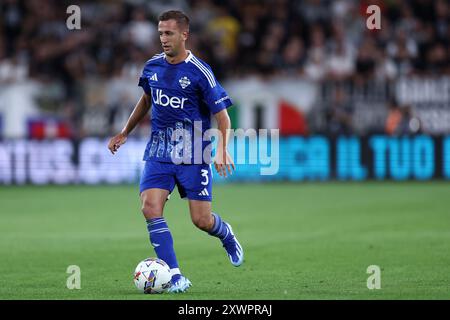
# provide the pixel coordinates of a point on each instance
(222, 162)
(116, 141)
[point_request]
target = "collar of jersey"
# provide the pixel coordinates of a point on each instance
(188, 58)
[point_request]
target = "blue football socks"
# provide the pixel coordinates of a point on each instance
(224, 232)
(162, 241)
(220, 229)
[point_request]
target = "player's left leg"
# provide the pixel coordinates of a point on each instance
(195, 183)
(211, 222)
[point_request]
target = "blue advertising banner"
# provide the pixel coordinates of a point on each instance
(355, 158)
(257, 159)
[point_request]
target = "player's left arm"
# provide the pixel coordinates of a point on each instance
(223, 160)
(217, 100)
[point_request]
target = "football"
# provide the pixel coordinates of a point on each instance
(152, 275)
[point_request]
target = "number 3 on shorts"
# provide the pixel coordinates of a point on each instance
(205, 174)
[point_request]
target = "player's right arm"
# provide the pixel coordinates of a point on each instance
(139, 112)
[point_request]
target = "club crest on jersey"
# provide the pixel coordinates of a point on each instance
(184, 82)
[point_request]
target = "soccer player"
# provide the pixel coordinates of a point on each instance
(183, 93)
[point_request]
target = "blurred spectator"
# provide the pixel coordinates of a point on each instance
(386, 69)
(340, 62)
(339, 115)
(202, 12)
(393, 119)
(441, 20)
(142, 32)
(315, 67)
(402, 121)
(366, 59)
(314, 11)
(12, 17)
(292, 57)
(410, 123)
(12, 69)
(403, 50)
(224, 28)
(436, 58)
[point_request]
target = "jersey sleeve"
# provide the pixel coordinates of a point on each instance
(143, 81)
(214, 95)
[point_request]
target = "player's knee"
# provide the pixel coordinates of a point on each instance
(151, 209)
(204, 223)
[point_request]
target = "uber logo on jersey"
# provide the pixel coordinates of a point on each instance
(164, 100)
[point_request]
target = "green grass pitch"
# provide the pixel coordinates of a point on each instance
(301, 241)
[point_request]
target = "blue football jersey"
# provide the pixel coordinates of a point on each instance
(184, 96)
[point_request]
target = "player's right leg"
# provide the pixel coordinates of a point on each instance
(156, 184)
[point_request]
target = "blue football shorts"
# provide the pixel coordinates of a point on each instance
(194, 181)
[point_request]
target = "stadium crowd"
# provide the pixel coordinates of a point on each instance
(81, 75)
